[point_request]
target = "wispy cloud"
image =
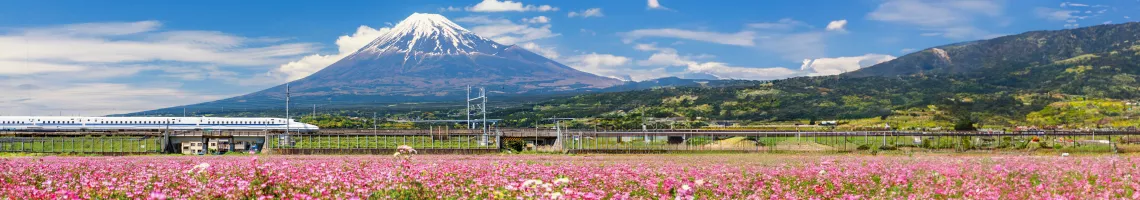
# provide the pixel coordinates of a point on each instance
(837, 26)
(785, 24)
(838, 65)
(508, 6)
(592, 12)
(951, 19)
(91, 60)
(346, 45)
(743, 38)
(507, 32)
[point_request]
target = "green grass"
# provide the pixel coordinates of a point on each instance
(382, 142)
(82, 144)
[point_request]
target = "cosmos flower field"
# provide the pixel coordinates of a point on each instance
(745, 176)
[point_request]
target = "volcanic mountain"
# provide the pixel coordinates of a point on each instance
(428, 57)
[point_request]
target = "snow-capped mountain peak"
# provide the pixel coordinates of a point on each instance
(423, 34)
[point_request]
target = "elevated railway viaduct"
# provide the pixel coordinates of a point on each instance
(377, 141)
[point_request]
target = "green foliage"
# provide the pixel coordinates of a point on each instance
(1086, 113)
(1077, 59)
(1003, 82)
(964, 125)
(966, 142)
(887, 148)
(516, 145)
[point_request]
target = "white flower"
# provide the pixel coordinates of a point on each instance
(198, 168)
(556, 195)
(560, 181)
(532, 182)
(406, 149)
(686, 187)
(700, 182)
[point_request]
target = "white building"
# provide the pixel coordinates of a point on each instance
(215, 145)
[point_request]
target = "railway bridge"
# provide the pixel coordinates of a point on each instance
(465, 141)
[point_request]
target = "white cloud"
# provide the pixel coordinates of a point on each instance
(779, 37)
(1070, 17)
(27, 68)
(837, 26)
(537, 20)
(838, 65)
(450, 9)
(600, 64)
(785, 24)
(91, 99)
(178, 47)
(653, 4)
(743, 38)
(508, 6)
(587, 31)
(1054, 14)
(547, 52)
(952, 19)
(667, 62)
(1067, 4)
(723, 71)
(346, 45)
(118, 67)
(592, 12)
(96, 29)
(506, 32)
(481, 19)
(796, 46)
(664, 58)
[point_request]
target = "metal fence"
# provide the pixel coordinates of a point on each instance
(382, 141)
(81, 144)
(607, 142)
(650, 142)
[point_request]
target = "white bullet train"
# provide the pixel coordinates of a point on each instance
(63, 123)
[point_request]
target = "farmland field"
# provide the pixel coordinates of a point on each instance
(711, 176)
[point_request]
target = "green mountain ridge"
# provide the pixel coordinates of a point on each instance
(1030, 48)
(993, 82)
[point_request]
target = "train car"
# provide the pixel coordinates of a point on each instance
(62, 123)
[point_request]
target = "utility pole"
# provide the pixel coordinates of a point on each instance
(314, 110)
(557, 130)
(482, 108)
(483, 94)
(468, 114)
(183, 111)
(287, 118)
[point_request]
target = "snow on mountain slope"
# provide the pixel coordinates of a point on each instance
(428, 34)
(427, 55)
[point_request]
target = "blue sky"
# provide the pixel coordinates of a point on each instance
(102, 57)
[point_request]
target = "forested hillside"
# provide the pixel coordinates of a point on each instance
(992, 82)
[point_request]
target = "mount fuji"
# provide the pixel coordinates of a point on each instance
(426, 58)
(427, 55)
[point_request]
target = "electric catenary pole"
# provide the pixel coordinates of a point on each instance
(482, 109)
(285, 138)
